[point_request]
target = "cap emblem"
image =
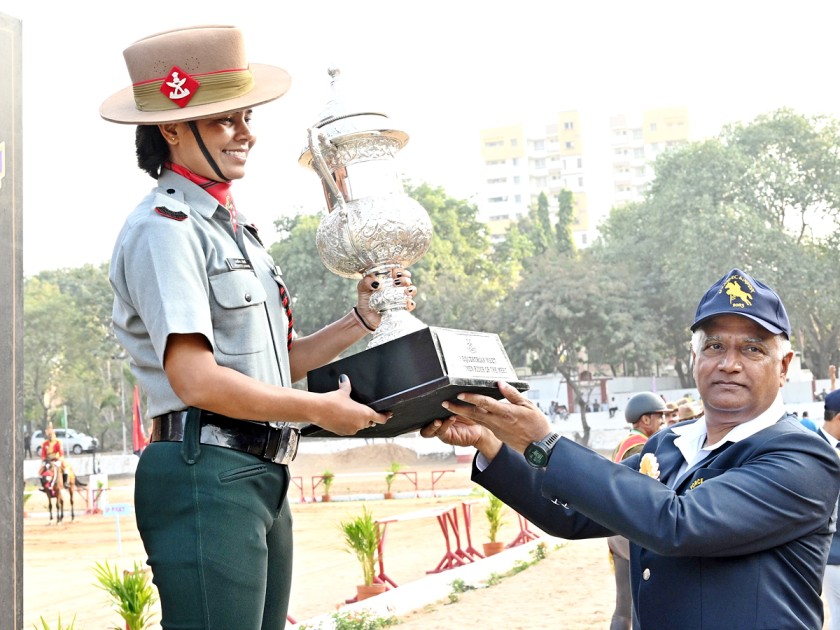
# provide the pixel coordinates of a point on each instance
(179, 87)
(738, 297)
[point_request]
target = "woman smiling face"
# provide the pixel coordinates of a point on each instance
(228, 139)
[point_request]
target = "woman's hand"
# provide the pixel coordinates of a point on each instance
(370, 284)
(344, 416)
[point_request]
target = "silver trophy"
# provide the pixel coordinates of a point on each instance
(372, 226)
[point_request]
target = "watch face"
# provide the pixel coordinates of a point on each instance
(536, 456)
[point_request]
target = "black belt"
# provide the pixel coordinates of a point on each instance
(271, 444)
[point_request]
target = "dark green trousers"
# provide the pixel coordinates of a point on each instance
(218, 535)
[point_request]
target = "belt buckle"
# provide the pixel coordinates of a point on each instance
(287, 448)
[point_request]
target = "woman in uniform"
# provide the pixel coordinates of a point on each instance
(203, 311)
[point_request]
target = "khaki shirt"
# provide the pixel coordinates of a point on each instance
(177, 267)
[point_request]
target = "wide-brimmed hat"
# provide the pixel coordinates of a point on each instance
(191, 73)
(687, 411)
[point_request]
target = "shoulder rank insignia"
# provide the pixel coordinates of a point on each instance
(170, 214)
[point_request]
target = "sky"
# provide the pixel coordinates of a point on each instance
(441, 70)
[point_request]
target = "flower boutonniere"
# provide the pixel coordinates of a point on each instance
(649, 466)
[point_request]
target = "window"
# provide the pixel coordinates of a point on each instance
(580, 182)
(539, 163)
(518, 199)
(539, 145)
(514, 142)
(494, 143)
(494, 162)
(516, 179)
(653, 126)
(570, 145)
(568, 125)
(580, 162)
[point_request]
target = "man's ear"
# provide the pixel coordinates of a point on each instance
(785, 365)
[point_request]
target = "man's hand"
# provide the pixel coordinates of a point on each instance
(516, 421)
(459, 431)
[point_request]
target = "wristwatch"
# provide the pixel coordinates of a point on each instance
(537, 453)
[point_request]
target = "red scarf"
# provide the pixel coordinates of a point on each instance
(219, 190)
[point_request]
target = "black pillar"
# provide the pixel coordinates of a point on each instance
(11, 327)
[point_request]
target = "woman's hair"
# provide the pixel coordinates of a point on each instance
(152, 149)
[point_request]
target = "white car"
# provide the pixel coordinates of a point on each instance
(71, 440)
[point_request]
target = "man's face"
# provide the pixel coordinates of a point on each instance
(737, 368)
(651, 422)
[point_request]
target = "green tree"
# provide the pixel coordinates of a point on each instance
(318, 296)
(572, 324)
(565, 217)
(69, 350)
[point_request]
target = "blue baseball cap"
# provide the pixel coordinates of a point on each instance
(737, 293)
(832, 404)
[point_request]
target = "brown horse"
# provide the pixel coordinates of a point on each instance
(53, 482)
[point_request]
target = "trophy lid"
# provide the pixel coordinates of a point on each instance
(338, 121)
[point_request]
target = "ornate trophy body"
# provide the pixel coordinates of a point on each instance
(372, 227)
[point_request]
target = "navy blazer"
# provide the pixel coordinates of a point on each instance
(739, 543)
(834, 551)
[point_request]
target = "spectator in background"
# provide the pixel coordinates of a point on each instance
(672, 413)
(613, 407)
(830, 431)
(807, 422)
(644, 412)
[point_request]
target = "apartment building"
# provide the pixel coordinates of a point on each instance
(637, 142)
(520, 161)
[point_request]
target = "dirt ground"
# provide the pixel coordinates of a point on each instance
(574, 581)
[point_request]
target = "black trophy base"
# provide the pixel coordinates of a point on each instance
(409, 377)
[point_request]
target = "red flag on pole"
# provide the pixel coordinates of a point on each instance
(139, 439)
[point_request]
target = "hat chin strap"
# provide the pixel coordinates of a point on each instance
(205, 152)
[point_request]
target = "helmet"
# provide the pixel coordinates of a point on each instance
(642, 403)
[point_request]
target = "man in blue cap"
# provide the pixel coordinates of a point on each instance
(830, 431)
(730, 521)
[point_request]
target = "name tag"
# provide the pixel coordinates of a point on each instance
(238, 263)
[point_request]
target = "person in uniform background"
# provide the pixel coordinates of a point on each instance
(645, 412)
(830, 431)
(205, 315)
(730, 516)
(51, 451)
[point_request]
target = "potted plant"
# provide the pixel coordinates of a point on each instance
(328, 478)
(494, 513)
(361, 537)
(389, 478)
(131, 593)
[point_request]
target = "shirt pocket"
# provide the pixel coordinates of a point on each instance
(238, 309)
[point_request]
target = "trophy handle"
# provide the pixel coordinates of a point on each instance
(320, 165)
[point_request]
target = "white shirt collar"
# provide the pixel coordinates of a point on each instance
(831, 439)
(690, 438)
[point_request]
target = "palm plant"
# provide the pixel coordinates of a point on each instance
(361, 536)
(131, 593)
(493, 512)
(391, 474)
